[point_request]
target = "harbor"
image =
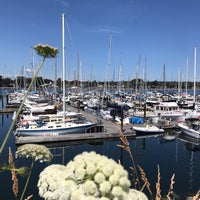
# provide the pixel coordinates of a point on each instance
(103, 130)
(148, 149)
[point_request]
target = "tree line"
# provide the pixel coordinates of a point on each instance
(23, 82)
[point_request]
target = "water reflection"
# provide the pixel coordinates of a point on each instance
(175, 153)
(191, 143)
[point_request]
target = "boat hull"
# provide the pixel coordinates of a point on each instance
(147, 130)
(54, 131)
(189, 131)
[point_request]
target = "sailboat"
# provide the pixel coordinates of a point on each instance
(58, 124)
(191, 126)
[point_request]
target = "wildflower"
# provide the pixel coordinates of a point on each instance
(105, 188)
(89, 176)
(46, 51)
(135, 195)
(34, 151)
(23, 171)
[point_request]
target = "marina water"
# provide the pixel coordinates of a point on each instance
(178, 156)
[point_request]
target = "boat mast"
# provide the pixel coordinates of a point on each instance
(195, 73)
(63, 62)
(186, 84)
(164, 83)
(137, 75)
(107, 77)
(55, 80)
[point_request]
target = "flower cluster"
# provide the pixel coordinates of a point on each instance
(34, 151)
(89, 176)
(46, 51)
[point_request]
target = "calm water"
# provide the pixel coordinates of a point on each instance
(178, 157)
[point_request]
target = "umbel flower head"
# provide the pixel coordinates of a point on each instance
(36, 152)
(46, 51)
(89, 176)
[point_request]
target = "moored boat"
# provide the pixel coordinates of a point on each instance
(191, 129)
(53, 129)
(147, 129)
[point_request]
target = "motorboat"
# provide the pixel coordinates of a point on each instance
(192, 129)
(170, 111)
(147, 129)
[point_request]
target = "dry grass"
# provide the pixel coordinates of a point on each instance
(29, 197)
(15, 186)
(158, 190)
(13, 173)
(145, 180)
(125, 146)
(196, 196)
(171, 187)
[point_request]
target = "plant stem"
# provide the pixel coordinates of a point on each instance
(20, 108)
(27, 180)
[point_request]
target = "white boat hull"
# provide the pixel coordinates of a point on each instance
(189, 131)
(147, 129)
(54, 130)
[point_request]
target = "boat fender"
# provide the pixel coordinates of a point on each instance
(24, 122)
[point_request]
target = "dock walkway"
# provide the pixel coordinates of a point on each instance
(111, 131)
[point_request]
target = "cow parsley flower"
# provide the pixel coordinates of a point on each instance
(36, 152)
(136, 195)
(89, 176)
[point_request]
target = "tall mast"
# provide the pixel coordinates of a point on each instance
(137, 74)
(63, 60)
(55, 80)
(195, 72)
(164, 83)
(186, 84)
(107, 77)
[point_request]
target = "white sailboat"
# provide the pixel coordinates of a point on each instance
(53, 125)
(192, 128)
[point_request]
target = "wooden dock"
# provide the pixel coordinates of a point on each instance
(111, 131)
(8, 110)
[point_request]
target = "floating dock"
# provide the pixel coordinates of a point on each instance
(71, 137)
(111, 130)
(8, 110)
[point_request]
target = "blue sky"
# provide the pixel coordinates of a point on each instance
(156, 32)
